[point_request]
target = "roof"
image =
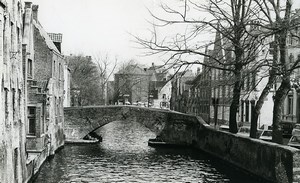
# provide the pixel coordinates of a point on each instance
(44, 34)
(132, 69)
(55, 37)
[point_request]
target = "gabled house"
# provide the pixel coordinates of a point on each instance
(45, 89)
(160, 86)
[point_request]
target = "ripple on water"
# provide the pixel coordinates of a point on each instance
(124, 156)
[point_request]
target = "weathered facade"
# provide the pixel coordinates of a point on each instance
(12, 94)
(45, 91)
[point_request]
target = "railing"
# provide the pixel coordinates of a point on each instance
(289, 118)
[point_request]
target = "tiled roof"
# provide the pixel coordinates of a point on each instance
(44, 34)
(56, 37)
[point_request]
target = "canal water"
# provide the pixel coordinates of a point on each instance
(124, 156)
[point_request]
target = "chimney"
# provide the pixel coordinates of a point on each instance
(35, 9)
(56, 39)
(28, 4)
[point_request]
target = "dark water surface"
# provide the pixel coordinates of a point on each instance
(124, 156)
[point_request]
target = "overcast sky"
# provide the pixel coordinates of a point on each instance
(100, 26)
(97, 26)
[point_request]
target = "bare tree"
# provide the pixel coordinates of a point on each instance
(279, 21)
(106, 67)
(230, 20)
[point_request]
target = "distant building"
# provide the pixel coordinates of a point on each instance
(160, 86)
(67, 86)
(181, 90)
(143, 86)
(131, 85)
(200, 99)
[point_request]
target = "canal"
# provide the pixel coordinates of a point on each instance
(124, 156)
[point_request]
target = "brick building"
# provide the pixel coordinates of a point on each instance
(12, 94)
(131, 85)
(45, 90)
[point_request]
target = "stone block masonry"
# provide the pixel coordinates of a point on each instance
(273, 162)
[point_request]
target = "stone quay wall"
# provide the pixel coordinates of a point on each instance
(273, 162)
(270, 161)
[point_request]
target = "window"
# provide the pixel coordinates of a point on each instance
(19, 99)
(4, 40)
(54, 68)
(247, 111)
(59, 71)
(16, 164)
(18, 34)
(56, 110)
(29, 67)
(13, 102)
(31, 121)
(12, 36)
(164, 96)
(6, 104)
(290, 105)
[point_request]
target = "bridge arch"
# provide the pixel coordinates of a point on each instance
(168, 125)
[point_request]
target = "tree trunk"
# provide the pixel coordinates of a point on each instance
(259, 104)
(235, 102)
(279, 98)
(283, 90)
(266, 90)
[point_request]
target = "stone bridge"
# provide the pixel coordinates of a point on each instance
(172, 127)
(270, 161)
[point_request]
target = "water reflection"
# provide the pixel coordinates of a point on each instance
(124, 156)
